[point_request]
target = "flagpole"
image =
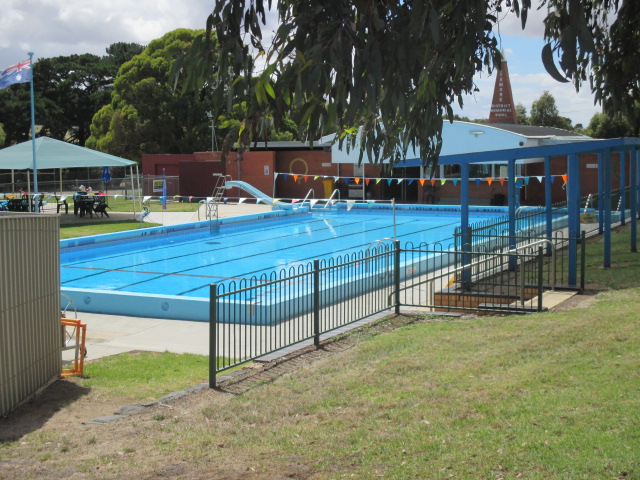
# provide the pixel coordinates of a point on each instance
(33, 140)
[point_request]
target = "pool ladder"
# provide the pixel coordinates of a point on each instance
(216, 197)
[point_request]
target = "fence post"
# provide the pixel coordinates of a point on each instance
(583, 260)
(396, 275)
(213, 330)
(540, 267)
(316, 302)
(467, 258)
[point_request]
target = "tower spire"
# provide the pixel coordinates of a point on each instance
(503, 110)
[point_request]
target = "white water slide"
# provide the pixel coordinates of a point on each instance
(251, 190)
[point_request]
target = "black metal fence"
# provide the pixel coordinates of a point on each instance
(251, 318)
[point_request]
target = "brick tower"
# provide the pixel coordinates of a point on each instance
(503, 110)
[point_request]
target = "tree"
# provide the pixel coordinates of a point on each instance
(3, 136)
(603, 125)
(144, 114)
(382, 74)
(545, 113)
(68, 91)
(521, 114)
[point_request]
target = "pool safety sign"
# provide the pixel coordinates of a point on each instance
(157, 186)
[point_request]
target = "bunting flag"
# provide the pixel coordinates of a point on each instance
(389, 181)
(400, 180)
(176, 197)
(295, 200)
(346, 180)
(357, 180)
(410, 181)
(455, 182)
(552, 178)
(313, 202)
(366, 181)
(114, 197)
(275, 200)
(489, 180)
(443, 181)
(316, 177)
(526, 180)
(295, 177)
(565, 178)
(350, 204)
(190, 198)
(378, 180)
(477, 181)
(64, 197)
(145, 199)
(422, 182)
(335, 179)
(275, 175)
(209, 199)
(433, 182)
(370, 203)
(240, 200)
(539, 179)
(502, 182)
(306, 177)
(285, 175)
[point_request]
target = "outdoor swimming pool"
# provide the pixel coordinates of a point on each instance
(166, 271)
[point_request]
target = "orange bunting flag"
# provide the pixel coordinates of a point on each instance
(564, 178)
(433, 182)
(502, 182)
(306, 177)
(357, 180)
(489, 180)
(295, 177)
(422, 182)
(366, 181)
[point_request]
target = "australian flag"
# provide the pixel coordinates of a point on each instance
(18, 73)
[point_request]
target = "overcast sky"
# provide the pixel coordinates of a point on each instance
(52, 28)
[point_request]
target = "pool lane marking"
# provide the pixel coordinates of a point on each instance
(164, 247)
(162, 274)
(252, 274)
(255, 273)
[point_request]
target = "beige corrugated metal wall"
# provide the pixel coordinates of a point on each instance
(30, 332)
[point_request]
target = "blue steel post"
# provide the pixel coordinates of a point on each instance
(600, 194)
(606, 206)
(548, 201)
(623, 185)
(396, 275)
(213, 344)
(36, 206)
(316, 302)
(573, 206)
(633, 198)
(464, 221)
(511, 193)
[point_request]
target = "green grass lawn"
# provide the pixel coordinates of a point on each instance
(72, 231)
(122, 204)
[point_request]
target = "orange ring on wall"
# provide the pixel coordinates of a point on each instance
(298, 159)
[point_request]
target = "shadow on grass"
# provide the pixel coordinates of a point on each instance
(32, 415)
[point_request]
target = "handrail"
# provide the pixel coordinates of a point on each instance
(368, 254)
(331, 196)
(311, 191)
(511, 251)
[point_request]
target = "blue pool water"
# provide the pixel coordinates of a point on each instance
(180, 263)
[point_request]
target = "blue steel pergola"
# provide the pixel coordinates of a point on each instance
(603, 148)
